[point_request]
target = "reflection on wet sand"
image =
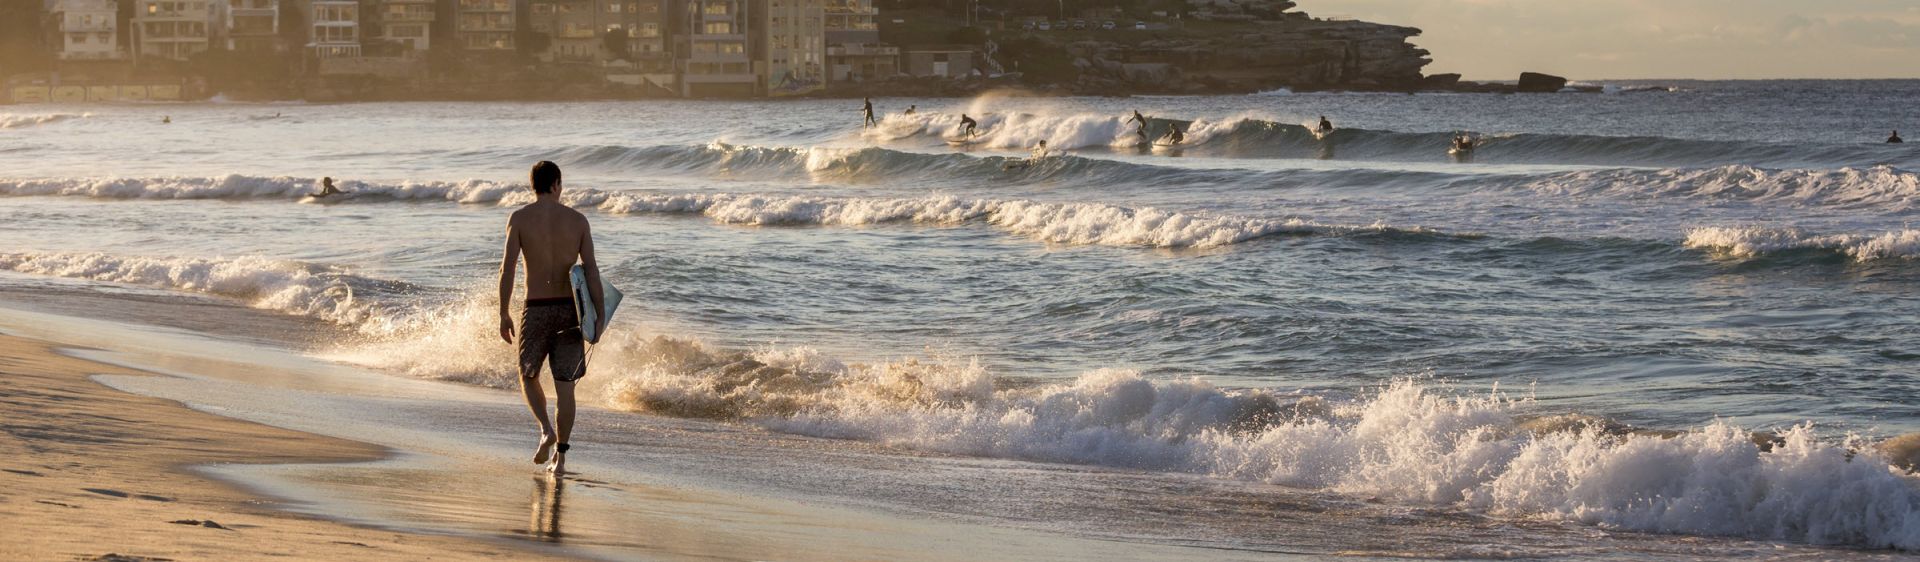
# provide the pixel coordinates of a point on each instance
(543, 520)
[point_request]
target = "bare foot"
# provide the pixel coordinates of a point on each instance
(559, 465)
(546, 448)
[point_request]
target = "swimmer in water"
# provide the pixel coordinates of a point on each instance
(326, 188)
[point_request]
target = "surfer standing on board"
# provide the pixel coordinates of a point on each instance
(867, 109)
(968, 125)
(550, 235)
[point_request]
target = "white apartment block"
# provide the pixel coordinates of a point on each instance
(171, 29)
(335, 28)
(792, 58)
(88, 29)
(408, 22)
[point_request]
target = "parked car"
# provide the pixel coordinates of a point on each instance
(1140, 25)
(1027, 26)
(1108, 25)
(1044, 26)
(1080, 24)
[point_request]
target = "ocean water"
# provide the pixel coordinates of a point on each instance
(1687, 311)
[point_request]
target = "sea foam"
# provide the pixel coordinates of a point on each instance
(1413, 441)
(1748, 242)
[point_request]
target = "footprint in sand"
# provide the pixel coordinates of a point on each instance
(22, 472)
(50, 502)
(207, 523)
(106, 492)
(154, 498)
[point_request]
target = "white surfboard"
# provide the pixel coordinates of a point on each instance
(963, 141)
(583, 302)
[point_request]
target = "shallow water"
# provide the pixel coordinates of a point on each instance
(1240, 308)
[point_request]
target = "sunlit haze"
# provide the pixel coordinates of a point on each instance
(1495, 39)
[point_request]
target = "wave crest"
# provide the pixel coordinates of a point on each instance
(1750, 242)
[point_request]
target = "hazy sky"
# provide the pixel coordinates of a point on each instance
(1496, 39)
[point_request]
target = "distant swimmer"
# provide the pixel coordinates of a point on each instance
(549, 237)
(326, 188)
(868, 111)
(912, 109)
(968, 126)
(1325, 126)
(165, 119)
(1463, 144)
(1895, 139)
(1039, 152)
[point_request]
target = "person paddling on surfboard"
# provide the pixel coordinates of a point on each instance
(968, 126)
(1895, 139)
(326, 188)
(550, 236)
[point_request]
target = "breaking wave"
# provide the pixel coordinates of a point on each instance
(1255, 137)
(1749, 242)
(1411, 442)
(1060, 223)
(11, 121)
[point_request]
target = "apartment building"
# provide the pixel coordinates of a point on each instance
(712, 53)
(485, 25)
(171, 29)
(789, 40)
(87, 29)
(854, 50)
(253, 26)
(335, 26)
(407, 22)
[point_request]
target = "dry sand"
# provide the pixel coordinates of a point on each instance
(91, 473)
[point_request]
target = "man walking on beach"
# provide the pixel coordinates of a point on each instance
(551, 236)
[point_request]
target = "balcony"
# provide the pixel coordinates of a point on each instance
(862, 51)
(95, 27)
(486, 6)
(409, 16)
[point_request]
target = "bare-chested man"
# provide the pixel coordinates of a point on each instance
(550, 235)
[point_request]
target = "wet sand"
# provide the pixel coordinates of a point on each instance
(92, 473)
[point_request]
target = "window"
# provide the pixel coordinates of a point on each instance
(719, 28)
(613, 7)
(79, 38)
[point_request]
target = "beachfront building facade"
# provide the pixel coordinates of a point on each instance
(789, 46)
(88, 29)
(854, 50)
(571, 27)
(171, 29)
(408, 23)
(335, 28)
(646, 26)
(601, 31)
(485, 26)
(253, 26)
(713, 60)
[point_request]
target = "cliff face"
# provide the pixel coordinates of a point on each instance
(1293, 52)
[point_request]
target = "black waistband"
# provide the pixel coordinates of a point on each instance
(555, 301)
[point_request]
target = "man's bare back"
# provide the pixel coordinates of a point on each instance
(550, 236)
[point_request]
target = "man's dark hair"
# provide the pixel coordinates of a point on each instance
(545, 175)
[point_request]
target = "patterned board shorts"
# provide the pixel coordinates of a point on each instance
(550, 332)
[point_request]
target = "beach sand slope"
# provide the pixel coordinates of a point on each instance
(91, 473)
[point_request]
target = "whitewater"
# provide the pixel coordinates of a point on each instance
(1677, 312)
